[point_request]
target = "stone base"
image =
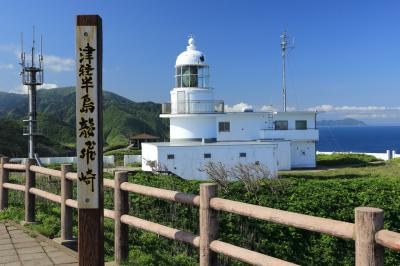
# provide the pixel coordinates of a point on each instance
(72, 243)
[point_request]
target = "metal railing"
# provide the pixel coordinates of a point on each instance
(367, 230)
(194, 107)
(36, 131)
(37, 79)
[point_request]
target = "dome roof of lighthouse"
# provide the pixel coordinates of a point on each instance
(191, 56)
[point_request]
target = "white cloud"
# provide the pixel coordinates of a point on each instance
(237, 107)
(267, 108)
(52, 62)
(47, 86)
(23, 89)
(374, 112)
(6, 66)
(58, 64)
(329, 111)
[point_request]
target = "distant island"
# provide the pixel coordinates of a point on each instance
(340, 122)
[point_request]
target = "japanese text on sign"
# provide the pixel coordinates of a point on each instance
(87, 117)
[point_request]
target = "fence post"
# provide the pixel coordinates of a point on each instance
(4, 174)
(121, 207)
(29, 198)
(66, 211)
(208, 224)
(368, 221)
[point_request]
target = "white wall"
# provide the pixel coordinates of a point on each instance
(243, 126)
(190, 94)
(291, 117)
(64, 160)
(189, 159)
(283, 155)
(300, 135)
(149, 153)
(382, 156)
(132, 159)
(192, 127)
(303, 154)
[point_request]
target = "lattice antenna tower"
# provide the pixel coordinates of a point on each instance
(32, 76)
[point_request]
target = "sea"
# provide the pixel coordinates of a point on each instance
(359, 139)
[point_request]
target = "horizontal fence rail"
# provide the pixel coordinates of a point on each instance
(367, 231)
(308, 222)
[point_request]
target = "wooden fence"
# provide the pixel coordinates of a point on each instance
(367, 230)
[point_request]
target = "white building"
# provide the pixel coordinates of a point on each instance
(201, 130)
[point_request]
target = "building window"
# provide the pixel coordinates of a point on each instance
(242, 155)
(170, 156)
(301, 124)
(224, 126)
(281, 125)
(207, 155)
(192, 76)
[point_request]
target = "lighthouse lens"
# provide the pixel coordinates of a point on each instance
(192, 76)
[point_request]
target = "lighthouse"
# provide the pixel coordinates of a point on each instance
(201, 131)
(192, 108)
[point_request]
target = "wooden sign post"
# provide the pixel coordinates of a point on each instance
(89, 134)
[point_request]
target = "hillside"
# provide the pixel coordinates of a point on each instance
(341, 122)
(56, 115)
(14, 144)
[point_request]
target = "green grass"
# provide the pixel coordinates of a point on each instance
(124, 152)
(328, 193)
(136, 164)
(337, 159)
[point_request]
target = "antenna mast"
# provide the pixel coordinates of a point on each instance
(32, 77)
(285, 45)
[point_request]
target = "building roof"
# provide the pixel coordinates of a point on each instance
(144, 136)
(191, 56)
(217, 143)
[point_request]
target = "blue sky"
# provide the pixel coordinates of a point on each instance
(345, 61)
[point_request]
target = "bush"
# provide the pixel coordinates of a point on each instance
(337, 159)
(124, 152)
(330, 198)
(136, 164)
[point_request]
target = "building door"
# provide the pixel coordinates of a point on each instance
(181, 102)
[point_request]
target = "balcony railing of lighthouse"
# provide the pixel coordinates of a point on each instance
(194, 107)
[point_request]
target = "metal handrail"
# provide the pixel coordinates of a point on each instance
(194, 107)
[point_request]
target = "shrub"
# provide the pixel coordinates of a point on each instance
(337, 159)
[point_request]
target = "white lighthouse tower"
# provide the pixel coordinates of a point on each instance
(202, 132)
(192, 99)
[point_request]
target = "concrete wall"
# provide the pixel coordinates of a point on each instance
(303, 154)
(291, 117)
(382, 156)
(192, 127)
(243, 126)
(296, 135)
(149, 153)
(132, 159)
(283, 155)
(188, 160)
(107, 160)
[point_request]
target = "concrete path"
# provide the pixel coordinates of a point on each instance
(17, 247)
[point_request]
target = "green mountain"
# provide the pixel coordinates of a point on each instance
(14, 144)
(341, 122)
(56, 118)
